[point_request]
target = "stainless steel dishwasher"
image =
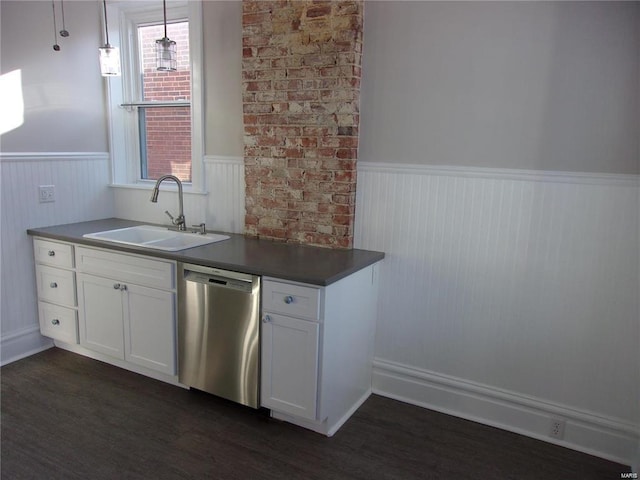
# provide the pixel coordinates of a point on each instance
(218, 332)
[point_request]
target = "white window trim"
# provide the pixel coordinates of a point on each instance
(123, 133)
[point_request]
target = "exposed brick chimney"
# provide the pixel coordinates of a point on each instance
(301, 92)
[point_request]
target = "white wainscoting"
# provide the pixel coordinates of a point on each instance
(220, 207)
(81, 192)
(509, 297)
(225, 183)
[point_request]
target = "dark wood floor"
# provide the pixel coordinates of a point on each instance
(69, 417)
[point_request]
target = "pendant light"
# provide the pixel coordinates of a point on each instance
(166, 55)
(109, 56)
(64, 32)
(56, 47)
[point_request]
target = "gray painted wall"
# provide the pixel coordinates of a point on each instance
(224, 129)
(64, 94)
(528, 85)
(63, 91)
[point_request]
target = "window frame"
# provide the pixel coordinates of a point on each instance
(124, 133)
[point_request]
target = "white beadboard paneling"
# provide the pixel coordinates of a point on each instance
(23, 343)
(225, 183)
(80, 181)
(523, 281)
(133, 202)
(221, 207)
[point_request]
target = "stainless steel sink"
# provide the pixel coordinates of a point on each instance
(159, 238)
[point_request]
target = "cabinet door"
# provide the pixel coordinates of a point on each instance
(100, 315)
(289, 365)
(150, 328)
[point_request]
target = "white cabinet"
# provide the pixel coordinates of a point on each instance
(123, 319)
(56, 254)
(293, 300)
(316, 341)
(290, 365)
(150, 328)
(317, 349)
(101, 318)
(290, 348)
(59, 323)
(55, 279)
(56, 285)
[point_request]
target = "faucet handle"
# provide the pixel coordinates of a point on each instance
(170, 216)
(202, 227)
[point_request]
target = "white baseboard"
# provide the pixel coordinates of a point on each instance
(21, 344)
(584, 431)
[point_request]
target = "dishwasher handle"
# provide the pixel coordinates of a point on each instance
(234, 281)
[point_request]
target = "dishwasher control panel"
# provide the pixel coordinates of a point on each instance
(215, 277)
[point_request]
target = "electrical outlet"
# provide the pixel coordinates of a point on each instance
(557, 428)
(47, 193)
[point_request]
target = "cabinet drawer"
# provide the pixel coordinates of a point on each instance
(53, 253)
(292, 300)
(60, 323)
(56, 285)
(126, 268)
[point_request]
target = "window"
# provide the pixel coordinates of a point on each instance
(156, 122)
(164, 132)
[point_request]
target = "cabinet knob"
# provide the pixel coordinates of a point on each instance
(123, 288)
(51, 253)
(288, 299)
(55, 321)
(266, 319)
(53, 285)
(116, 286)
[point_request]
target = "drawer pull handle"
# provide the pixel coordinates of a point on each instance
(53, 285)
(51, 253)
(288, 299)
(117, 286)
(55, 321)
(266, 319)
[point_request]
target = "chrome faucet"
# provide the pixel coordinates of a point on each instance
(179, 221)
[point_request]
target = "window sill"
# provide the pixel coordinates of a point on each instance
(187, 189)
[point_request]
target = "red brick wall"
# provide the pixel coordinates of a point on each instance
(168, 129)
(301, 92)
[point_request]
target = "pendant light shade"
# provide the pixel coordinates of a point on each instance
(166, 56)
(109, 55)
(166, 53)
(109, 61)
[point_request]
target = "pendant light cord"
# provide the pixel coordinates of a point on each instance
(55, 28)
(164, 9)
(106, 26)
(62, 8)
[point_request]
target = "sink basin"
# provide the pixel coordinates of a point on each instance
(159, 238)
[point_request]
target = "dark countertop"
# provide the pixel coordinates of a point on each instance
(300, 263)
